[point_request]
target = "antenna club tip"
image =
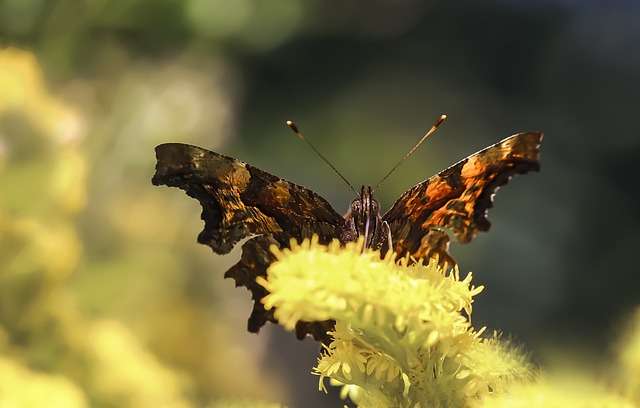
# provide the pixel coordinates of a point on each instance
(293, 126)
(439, 121)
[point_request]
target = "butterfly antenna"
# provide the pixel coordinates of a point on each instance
(301, 136)
(433, 129)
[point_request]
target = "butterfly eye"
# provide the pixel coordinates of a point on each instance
(356, 206)
(375, 207)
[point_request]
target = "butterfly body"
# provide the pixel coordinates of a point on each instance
(241, 201)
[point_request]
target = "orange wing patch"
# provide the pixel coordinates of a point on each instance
(458, 198)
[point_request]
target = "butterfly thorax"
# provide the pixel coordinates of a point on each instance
(363, 220)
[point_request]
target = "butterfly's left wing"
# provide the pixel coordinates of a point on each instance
(240, 201)
(458, 198)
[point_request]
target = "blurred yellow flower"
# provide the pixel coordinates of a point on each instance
(629, 359)
(42, 189)
(61, 274)
(564, 391)
(242, 403)
(124, 370)
(21, 387)
(24, 90)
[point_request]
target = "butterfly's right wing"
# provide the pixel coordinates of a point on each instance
(458, 198)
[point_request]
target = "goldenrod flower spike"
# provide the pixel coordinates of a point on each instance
(403, 335)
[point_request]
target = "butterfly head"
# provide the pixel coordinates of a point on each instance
(365, 206)
(363, 220)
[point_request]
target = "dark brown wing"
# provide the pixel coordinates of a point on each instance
(240, 201)
(458, 198)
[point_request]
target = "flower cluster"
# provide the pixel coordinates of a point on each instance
(403, 335)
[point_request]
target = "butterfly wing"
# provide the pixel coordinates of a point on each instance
(240, 201)
(458, 198)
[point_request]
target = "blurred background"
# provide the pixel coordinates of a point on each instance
(106, 300)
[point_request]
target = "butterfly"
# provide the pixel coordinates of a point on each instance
(240, 201)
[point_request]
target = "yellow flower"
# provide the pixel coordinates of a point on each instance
(24, 90)
(22, 387)
(403, 334)
(564, 391)
(629, 359)
(231, 402)
(492, 364)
